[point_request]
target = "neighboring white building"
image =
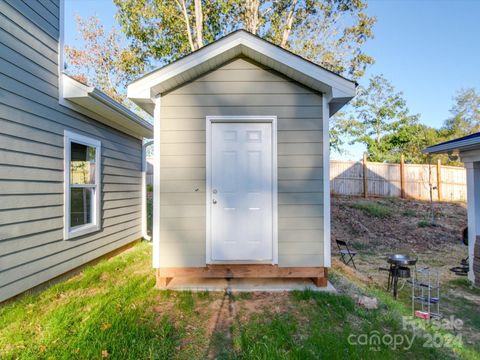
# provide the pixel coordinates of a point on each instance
(468, 148)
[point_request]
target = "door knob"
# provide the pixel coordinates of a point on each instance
(214, 201)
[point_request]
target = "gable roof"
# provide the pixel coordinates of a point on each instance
(338, 89)
(464, 143)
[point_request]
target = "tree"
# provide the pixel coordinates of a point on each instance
(164, 30)
(465, 112)
(410, 139)
(102, 61)
(380, 120)
(329, 32)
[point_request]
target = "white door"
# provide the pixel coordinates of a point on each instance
(242, 192)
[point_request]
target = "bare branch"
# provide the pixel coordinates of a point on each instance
(183, 8)
(288, 24)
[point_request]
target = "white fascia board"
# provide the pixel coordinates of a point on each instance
(461, 145)
(107, 110)
(295, 62)
(164, 79)
(142, 88)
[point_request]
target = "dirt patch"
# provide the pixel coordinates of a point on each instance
(405, 226)
(406, 230)
(221, 316)
(229, 312)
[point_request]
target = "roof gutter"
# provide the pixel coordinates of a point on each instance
(452, 146)
(94, 103)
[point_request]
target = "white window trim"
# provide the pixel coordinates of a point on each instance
(269, 119)
(69, 233)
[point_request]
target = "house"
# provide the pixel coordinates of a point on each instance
(70, 157)
(468, 149)
(241, 161)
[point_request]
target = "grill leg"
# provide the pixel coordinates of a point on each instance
(395, 286)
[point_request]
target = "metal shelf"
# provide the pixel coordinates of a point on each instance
(417, 285)
(425, 285)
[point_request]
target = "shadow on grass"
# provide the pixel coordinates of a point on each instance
(320, 327)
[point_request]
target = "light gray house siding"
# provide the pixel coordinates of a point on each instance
(241, 88)
(32, 124)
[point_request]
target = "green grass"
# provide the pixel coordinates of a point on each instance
(423, 223)
(409, 213)
(149, 216)
(320, 327)
(103, 310)
(402, 307)
(113, 309)
(374, 209)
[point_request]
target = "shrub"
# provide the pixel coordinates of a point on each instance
(409, 212)
(374, 209)
(424, 223)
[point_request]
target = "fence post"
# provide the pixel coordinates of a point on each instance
(439, 179)
(402, 176)
(365, 176)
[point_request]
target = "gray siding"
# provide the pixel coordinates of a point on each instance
(241, 88)
(32, 123)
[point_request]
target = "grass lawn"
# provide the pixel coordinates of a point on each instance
(112, 310)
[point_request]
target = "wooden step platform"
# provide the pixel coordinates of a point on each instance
(319, 275)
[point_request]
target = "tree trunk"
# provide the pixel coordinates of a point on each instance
(199, 23)
(251, 16)
(288, 24)
(183, 8)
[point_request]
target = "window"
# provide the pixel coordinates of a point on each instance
(82, 185)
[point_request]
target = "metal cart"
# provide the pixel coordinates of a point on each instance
(426, 292)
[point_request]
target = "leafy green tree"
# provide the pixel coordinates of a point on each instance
(380, 120)
(465, 112)
(410, 139)
(329, 32)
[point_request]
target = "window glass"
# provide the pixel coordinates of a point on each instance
(82, 211)
(82, 164)
(81, 206)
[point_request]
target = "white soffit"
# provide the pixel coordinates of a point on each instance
(338, 89)
(104, 108)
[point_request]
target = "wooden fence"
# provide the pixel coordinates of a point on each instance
(415, 181)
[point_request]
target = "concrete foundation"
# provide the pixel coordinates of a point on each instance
(245, 285)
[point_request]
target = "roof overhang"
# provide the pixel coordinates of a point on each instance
(94, 103)
(338, 89)
(467, 143)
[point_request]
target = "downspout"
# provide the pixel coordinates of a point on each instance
(144, 190)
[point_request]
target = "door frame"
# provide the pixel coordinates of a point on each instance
(269, 119)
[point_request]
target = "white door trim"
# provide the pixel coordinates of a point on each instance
(272, 119)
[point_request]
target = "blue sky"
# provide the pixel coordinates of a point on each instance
(427, 49)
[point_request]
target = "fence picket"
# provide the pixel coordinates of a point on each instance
(388, 180)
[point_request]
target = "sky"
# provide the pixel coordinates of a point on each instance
(428, 49)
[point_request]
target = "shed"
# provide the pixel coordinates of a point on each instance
(241, 159)
(468, 149)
